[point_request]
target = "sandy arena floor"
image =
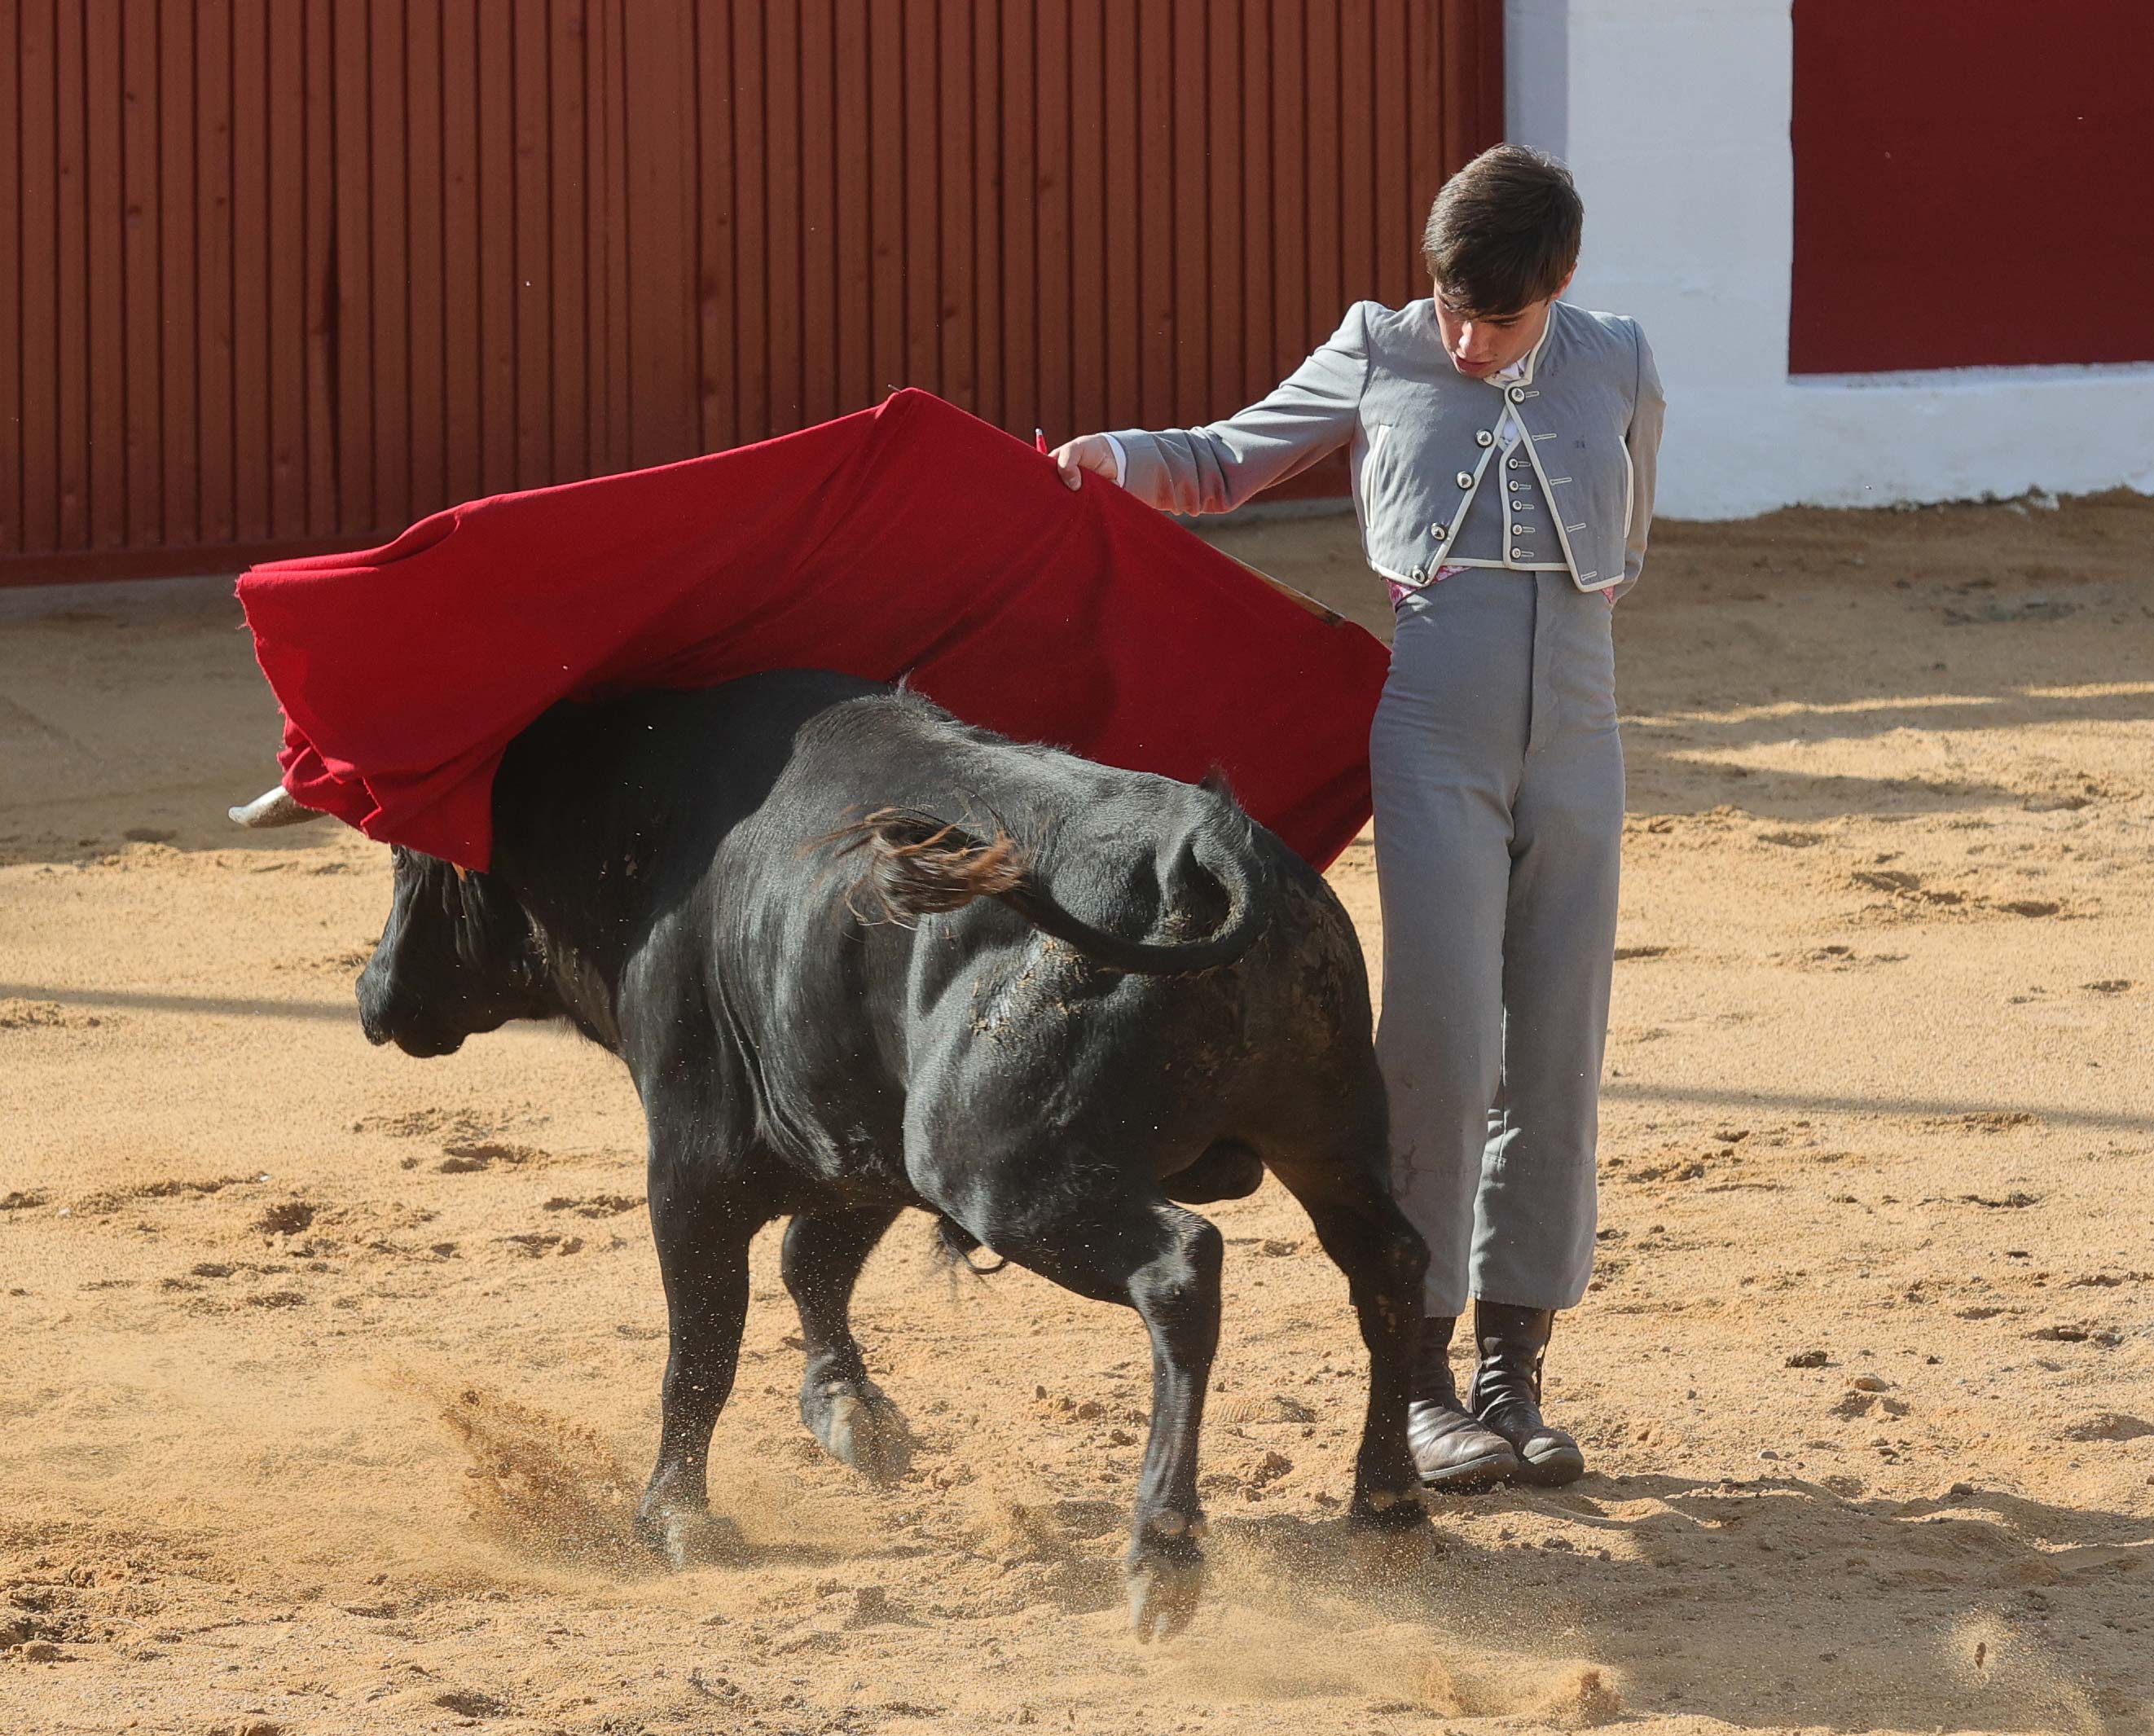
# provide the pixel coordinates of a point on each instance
(328, 1375)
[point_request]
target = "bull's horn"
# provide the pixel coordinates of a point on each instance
(272, 808)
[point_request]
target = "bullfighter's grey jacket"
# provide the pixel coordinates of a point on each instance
(1433, 485)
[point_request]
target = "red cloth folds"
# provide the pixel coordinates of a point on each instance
(910, 539)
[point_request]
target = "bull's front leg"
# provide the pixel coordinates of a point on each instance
(702, 1235)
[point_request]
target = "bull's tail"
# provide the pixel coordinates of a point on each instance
(919, 865)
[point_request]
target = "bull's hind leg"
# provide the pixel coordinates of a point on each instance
(702, 1239)
(1384, 1258)
(842, 1408)
(1164, 1262)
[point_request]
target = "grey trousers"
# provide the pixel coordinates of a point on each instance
(1498, 785)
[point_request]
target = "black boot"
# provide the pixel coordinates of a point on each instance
(1506, 1393)
(1452, 1450)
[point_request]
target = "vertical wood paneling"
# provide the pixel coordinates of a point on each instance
(141, 362)
(960, 369)
(718, 374)
(1121, 299)
(76, 317)
(351, 234)
(856, 239)
(1020, 309)
(744, 345)
(1224, 306)
(1256, 201)
(283, 57)
(1054, 163)
(215, 361)
(1293, 324)
(389, 387)
(289, 273)
(620, 432)
(781, 249)
(44, 333)
(11, 307)
(499, 287)
(1357, 72)
(172, 308)
(105, 214)
(320, 293)
(921, 252)
(987, 208)
(263, 305)
(427, 314)
(1320, 55)
(819, 215)
(1155, 249)
(658, 44)
(465, 368)
(565, 73)
(1190, 216)
(532, 108)
(1398, 225)
(885, 170)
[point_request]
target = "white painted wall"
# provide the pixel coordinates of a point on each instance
(1673, 115)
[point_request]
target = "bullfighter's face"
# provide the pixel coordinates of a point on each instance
(1481, 344)
(455, 957)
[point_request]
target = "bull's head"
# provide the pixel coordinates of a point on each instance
(458, 957)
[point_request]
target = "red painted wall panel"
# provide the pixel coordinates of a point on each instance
(1971, 183)
(292, 272)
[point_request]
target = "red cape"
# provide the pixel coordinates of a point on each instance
(908, 539)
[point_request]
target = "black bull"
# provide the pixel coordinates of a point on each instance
(835, 935)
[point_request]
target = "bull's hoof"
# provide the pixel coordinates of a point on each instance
(1377, 1509)
(687, 1537)
(858, 1426)
(1165, 1577)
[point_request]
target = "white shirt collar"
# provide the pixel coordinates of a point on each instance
(1532, 359)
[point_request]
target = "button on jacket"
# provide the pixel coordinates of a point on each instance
(1433, 485)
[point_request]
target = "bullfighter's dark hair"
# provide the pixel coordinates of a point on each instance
(1504, 232)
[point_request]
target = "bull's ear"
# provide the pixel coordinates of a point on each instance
(1216, 782)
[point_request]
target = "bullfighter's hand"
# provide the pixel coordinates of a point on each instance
(1087, 452)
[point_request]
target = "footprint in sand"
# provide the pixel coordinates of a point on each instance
(463, 1160)
(287, 1217)
(28, 1015)
(1837, 958)
(597, 1205)
(464, 1125)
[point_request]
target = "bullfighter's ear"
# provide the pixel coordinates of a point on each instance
(462, 872)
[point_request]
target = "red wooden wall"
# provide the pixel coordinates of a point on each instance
(1975, 183)
(288, 274)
